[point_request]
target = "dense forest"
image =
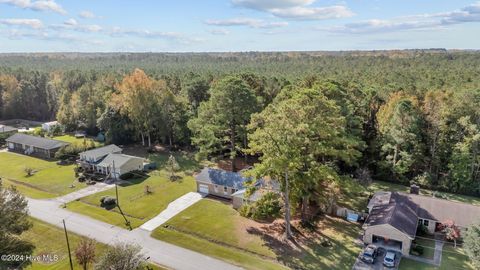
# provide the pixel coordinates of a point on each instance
(403, 116)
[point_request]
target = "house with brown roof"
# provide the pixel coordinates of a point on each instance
(394, 217)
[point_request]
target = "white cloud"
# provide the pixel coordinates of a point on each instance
(250, 22)
(40, 5)
(87, 14)
(32, 23)
(219, 32)
(296, 9)
(313, 13)
(469, 13)
(71, 22)
(264, 5)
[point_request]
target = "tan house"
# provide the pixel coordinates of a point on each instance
(394, 217)
(115, 165)
(90, 158)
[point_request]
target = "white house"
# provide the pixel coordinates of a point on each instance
(49, 125)
(118, 164)
(91, 157)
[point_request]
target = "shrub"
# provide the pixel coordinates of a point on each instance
(417, 250)
(245, 211)
(126, 176)
(268, 206)
(422, 230)
(73, 149)
(28, 171)
(107, 200)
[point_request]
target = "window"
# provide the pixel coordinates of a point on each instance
(216, 188)
(420, 221)
(233, 190)
(225, 189)
(425, 222)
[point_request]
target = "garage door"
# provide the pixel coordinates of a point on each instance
(203, 189)
(387, 242)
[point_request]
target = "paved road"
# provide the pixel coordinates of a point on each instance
(98, 187)
(160, 252)
(172, 210)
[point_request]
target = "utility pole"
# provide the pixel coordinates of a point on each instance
(68, 245)
(115, 179)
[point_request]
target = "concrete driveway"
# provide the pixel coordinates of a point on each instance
(378, 265)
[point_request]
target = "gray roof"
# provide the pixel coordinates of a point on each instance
(438, 209)
(4, 129)
(402, 210)
(119, 160)
(221, 177)
(38, 142)
(102, 151)
(398, 215)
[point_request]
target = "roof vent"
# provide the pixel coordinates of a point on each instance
(414, 189)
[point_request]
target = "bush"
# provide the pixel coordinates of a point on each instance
(245, 211)
(417, 250)
(73, 149)
(126, 176)
(108, 201)
(267, 207)
(422, 230)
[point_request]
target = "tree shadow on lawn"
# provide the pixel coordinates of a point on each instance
(308, 250)
(186, 160)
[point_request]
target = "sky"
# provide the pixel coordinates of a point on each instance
(236, 25)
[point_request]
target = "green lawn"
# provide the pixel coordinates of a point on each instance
(452, 259)
(428, 247)
(355, 196)
(215, 229)
(49, 179)
(71, 139)
(49, 239)
(138, 207)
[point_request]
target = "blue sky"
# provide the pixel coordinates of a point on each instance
(236, 25)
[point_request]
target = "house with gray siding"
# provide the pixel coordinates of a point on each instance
(33, 145)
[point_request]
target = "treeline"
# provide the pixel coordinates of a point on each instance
(398, 116)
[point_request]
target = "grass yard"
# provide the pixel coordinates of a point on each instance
(136, 205)
(49, 239)
(72, 139)
(355, 196)
(452, 259)
(428, 247)
(49, 179)
(215, 229)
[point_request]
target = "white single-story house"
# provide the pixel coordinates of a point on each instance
(90, 158)
(115, 165)
(395, 216)
(48, 126)
(7, 129)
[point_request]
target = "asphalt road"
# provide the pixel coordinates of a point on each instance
(159, 252)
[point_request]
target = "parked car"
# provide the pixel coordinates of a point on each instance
(389, 259)
(369, 254)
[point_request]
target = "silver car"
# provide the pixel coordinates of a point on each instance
(389, 259)
(369, 254)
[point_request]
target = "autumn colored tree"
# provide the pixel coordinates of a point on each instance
(85, 253)
(451, 231)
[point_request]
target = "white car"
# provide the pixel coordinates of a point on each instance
(389, 259)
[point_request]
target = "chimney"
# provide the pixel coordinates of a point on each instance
(414, 189)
